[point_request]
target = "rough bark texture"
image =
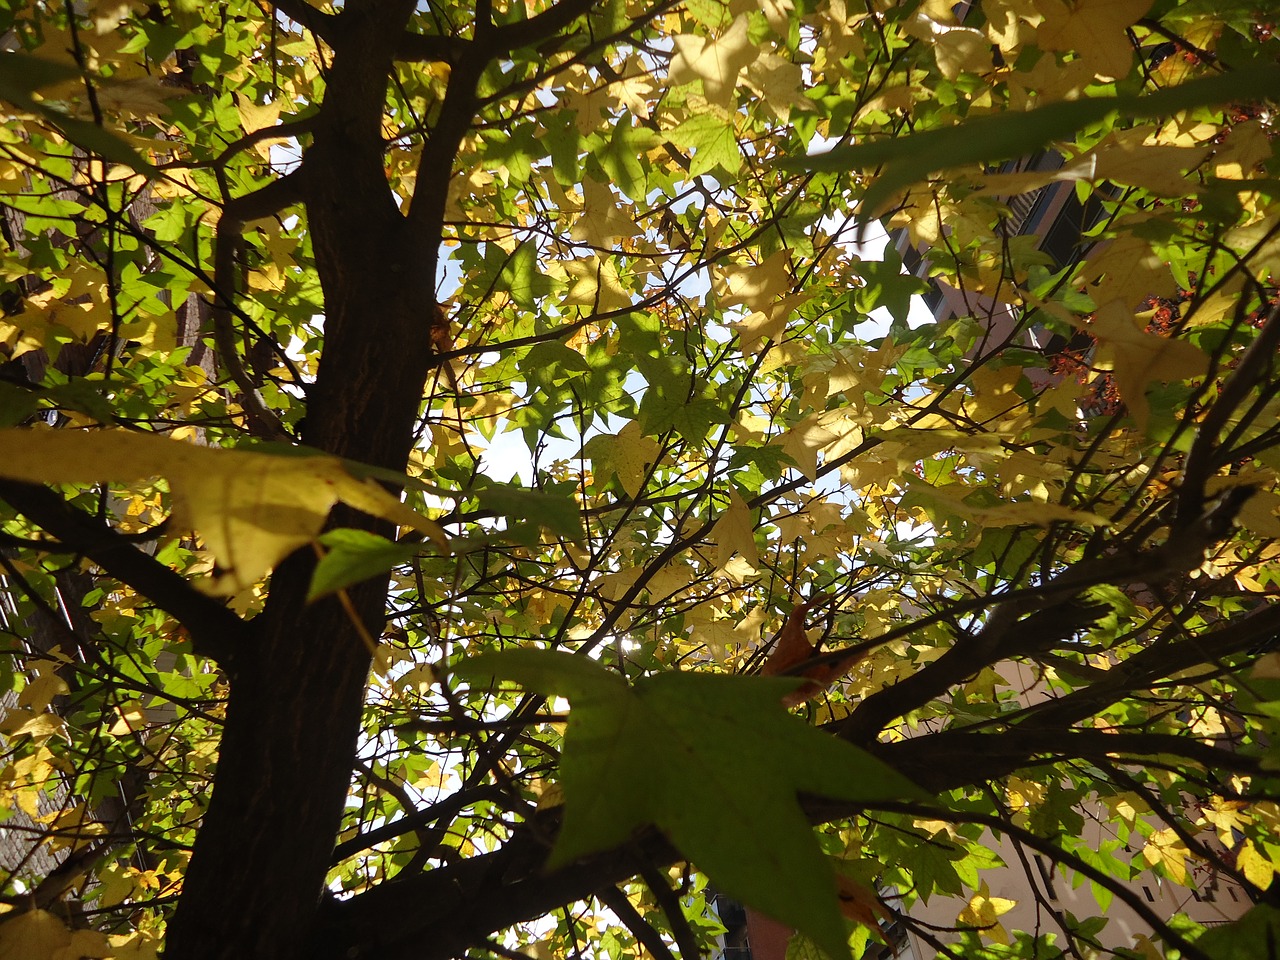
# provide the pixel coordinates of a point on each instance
(257, 873)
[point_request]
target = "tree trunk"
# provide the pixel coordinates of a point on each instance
(293, 719)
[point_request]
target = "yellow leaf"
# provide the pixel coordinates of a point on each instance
(612, 586)
(595, 283)
(72, 827)
(1146, 949)
(137, 946)
(767, 323)
(1219, 304)
(859, 903)
(1164, 849)
(1008, 22)
(109, 14)
(1137, 358)
(840, 34)
(254, 117)
(756, 285)
(417, 680)
(759, 326)
(602, 220)
(1126, 806)
(635, 88)
(983, 911)
(1024, 794)
(716, 63)
(629, 454)
(1123, 157)
(34, 769)
(39, 935)
(138, 96)
(1126, 157)
(1226, 816)
(1267, 667)
(672, 579)
(130, 719)
(1048, 81)
(1094, 30)
(714, 629)
(1256, 868)
(803, 441)
(251, 509)
(1245, 149)
(735, 532)
(777, 13)
(41, 726)
(1261, 239)
(1018, 513)
(781, 83)
(961, 50)
(1261, 512)
(738, 569)
(1128, 270)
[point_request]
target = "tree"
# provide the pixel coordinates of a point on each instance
(294, 293)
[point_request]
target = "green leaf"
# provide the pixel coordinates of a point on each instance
(251, 509)
(713, 761)
(712, 141)
(1255, 936)
(21, 75)
(909, 159)
(621, 157)
(887, 286)
(353, 556)
(16, 404)
(106, 144)
(523, 279)
(555, 512)
(85, 396)
(551, 674)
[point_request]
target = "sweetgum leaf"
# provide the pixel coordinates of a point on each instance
(715, 763)
(353, 556)
(1255, 936)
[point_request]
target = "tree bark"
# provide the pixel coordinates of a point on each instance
(257, 873)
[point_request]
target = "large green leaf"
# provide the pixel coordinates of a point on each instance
(909, 159)
(713, 761)
(1255, 936)
(532, 509)
(21, 75)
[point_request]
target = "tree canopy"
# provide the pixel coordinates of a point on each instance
(473, 480)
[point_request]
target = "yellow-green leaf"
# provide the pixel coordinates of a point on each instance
(1137, 358)
(251, 509)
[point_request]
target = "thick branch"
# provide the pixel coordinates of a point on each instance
(526, 33)
(318, 22)
(1006, 634)
(215, 631)
(422, 48)
(953, 755)
(440, 913)
(616, 900)
(1202, 460)
(445, 811)
(1155, 663)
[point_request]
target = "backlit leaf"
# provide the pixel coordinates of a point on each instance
(712, 761)
(352, 556)
(251, 509)
(908, 159)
